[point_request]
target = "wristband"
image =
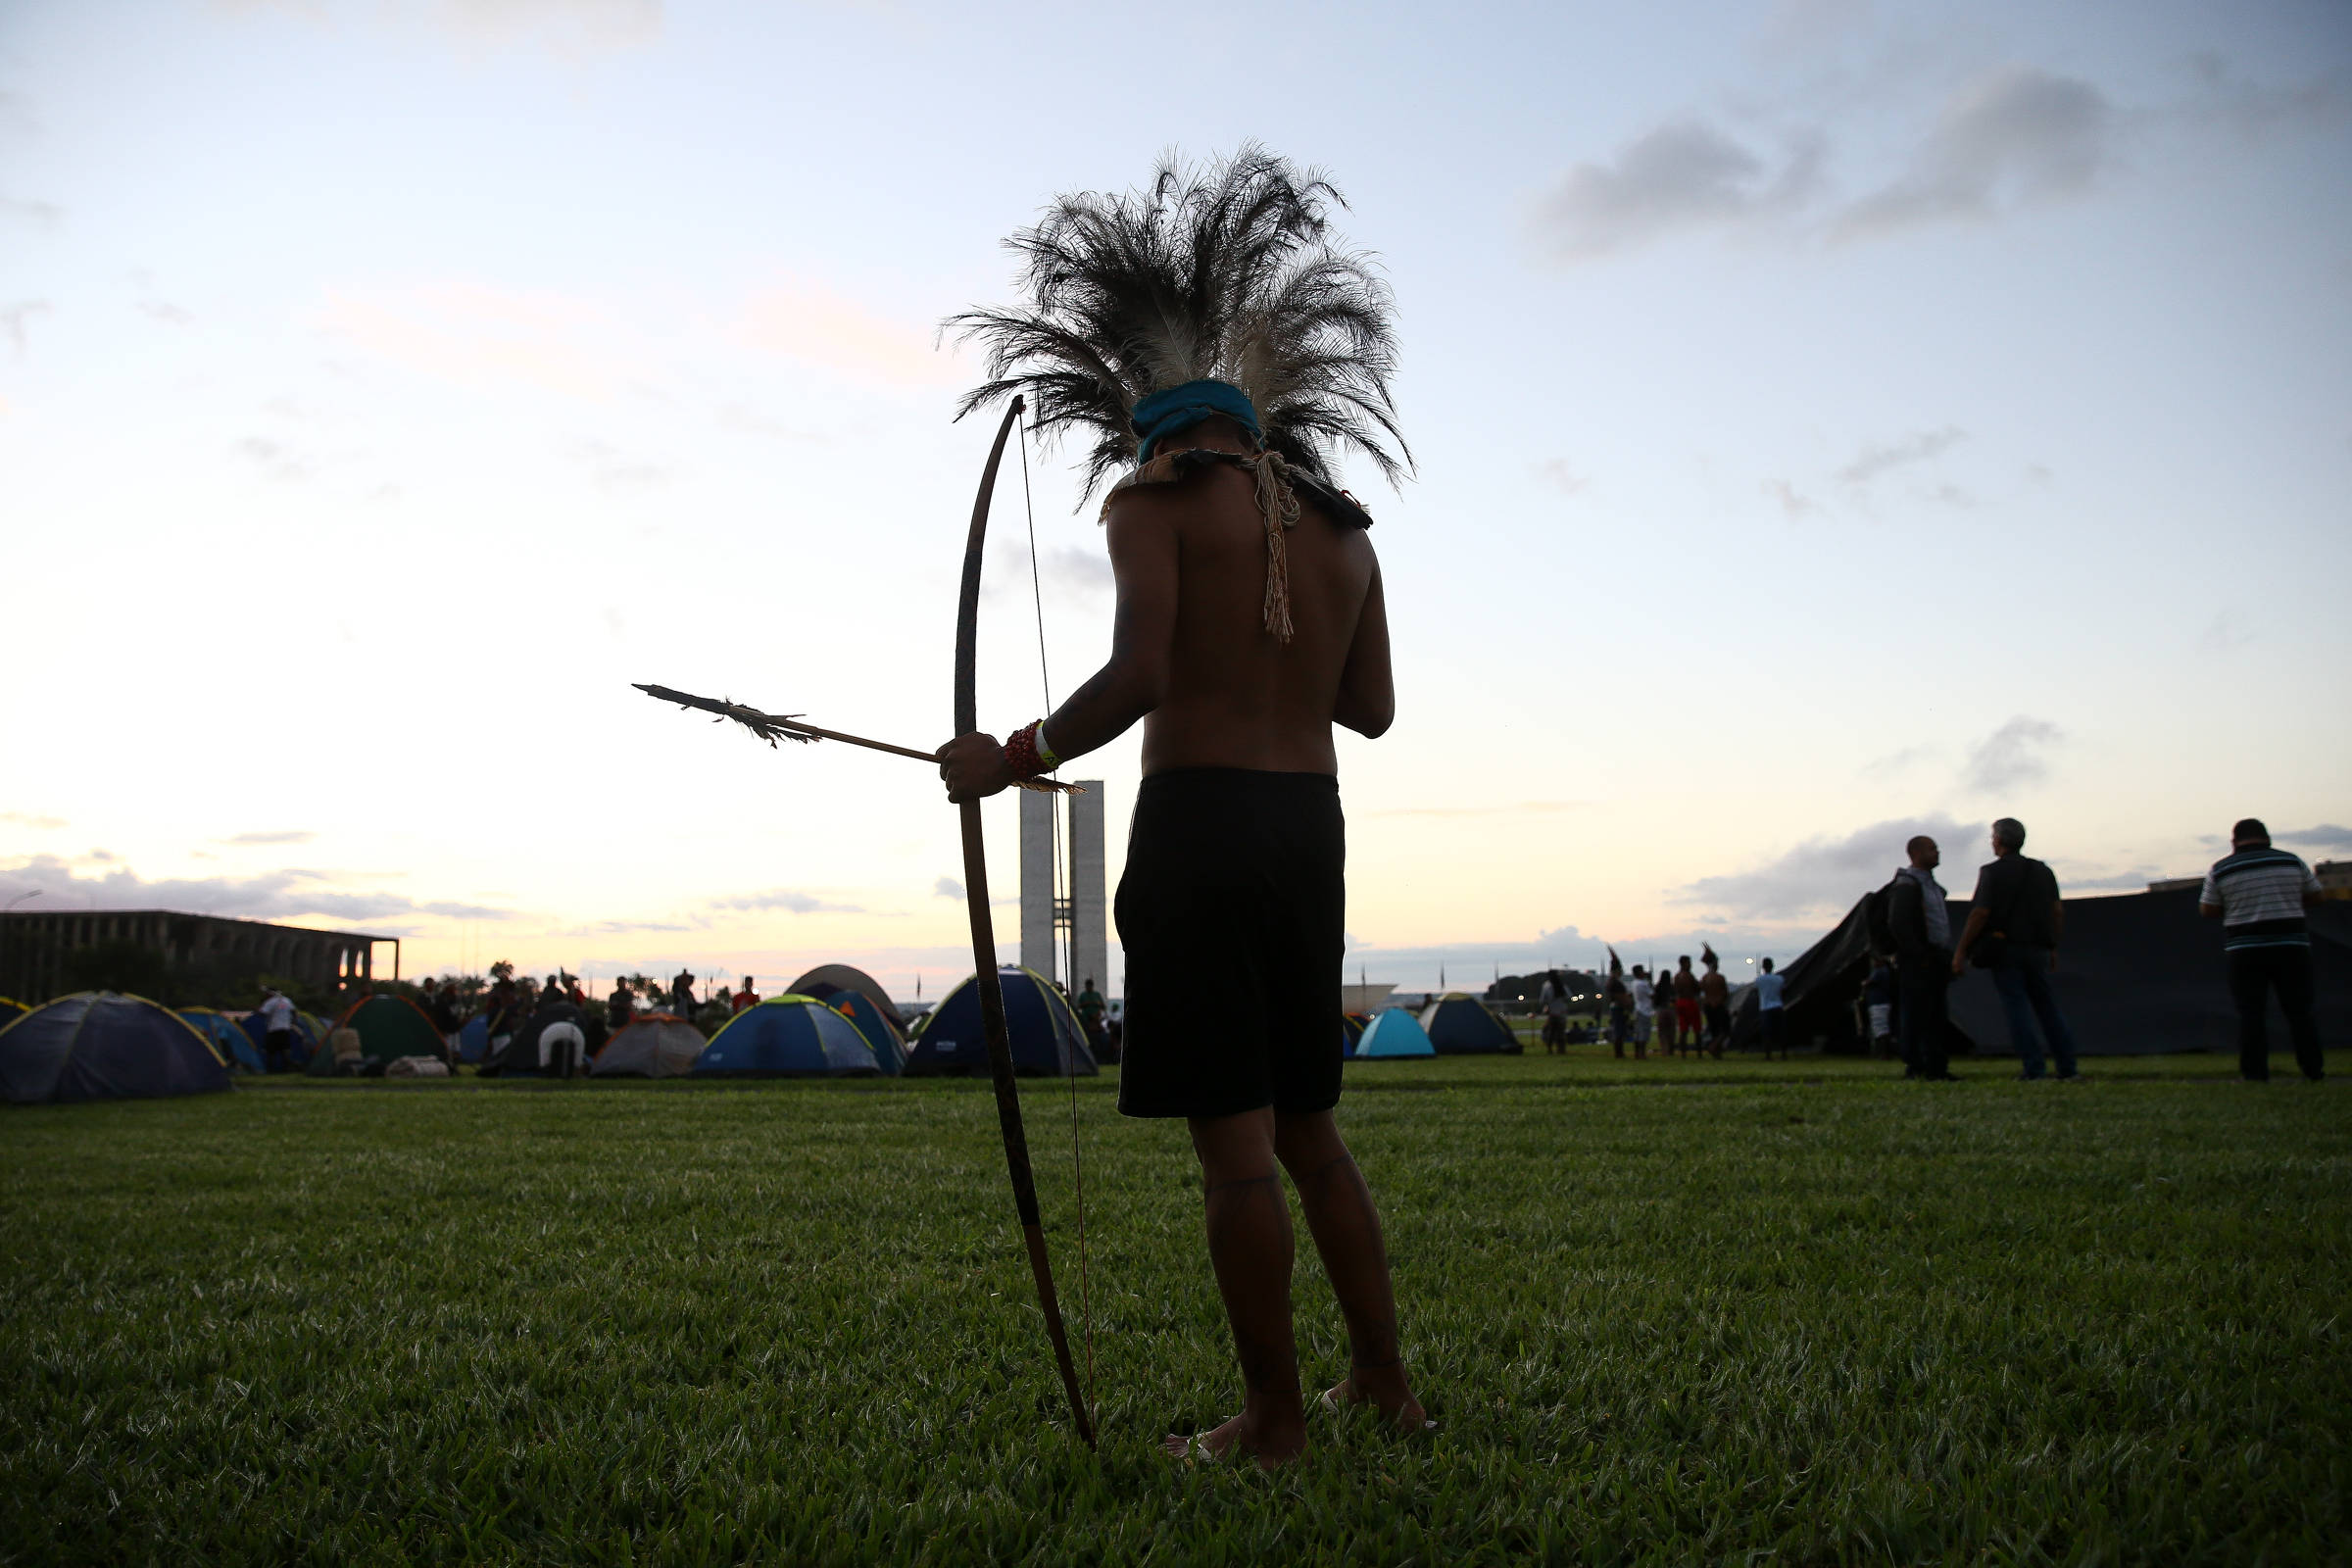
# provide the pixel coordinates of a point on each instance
(1045, 753)
(1021, 753)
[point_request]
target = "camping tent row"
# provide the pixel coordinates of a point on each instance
(101, 1045)
(1456, 1024)
(2140, 973)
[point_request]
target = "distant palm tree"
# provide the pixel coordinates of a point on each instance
(1225, 273)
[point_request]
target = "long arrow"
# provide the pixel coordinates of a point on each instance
(772, 727)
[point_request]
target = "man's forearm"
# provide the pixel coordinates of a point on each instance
(1099, 711)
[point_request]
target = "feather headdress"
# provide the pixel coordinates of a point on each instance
(1227, 273)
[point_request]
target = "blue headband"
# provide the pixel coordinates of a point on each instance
(1165, 413)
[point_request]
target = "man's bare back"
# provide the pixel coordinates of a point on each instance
(1189, 652)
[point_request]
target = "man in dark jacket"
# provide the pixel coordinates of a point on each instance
(1922, 928)
(2016, 905)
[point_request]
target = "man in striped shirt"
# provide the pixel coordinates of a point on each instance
(2259, 894)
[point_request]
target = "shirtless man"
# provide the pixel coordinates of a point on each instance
(1234, 869)
(1165, 327)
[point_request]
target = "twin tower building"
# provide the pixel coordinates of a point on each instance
(1064, 914)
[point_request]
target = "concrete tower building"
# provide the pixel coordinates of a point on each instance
(1084, 911)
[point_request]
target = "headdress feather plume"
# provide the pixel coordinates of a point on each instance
(1226, 272)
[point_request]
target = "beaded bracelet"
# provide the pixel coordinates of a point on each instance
(1023, 753)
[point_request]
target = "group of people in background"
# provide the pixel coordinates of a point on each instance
(1682, 1012)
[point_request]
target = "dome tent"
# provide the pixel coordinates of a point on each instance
(1351, 1033)
(787, 1037)
(858, 997)
(390, 1026)
(1044, 1033)
(101, 1045)
(1460, 1025)
(308, 1031)
(527, 1055)
(1393, 1033)
(231, 1043)
(654, 1045)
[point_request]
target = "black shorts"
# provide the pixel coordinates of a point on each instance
(1232, 910)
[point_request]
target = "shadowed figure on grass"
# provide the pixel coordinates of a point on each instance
(1215, 349)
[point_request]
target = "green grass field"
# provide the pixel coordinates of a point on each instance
(1666, 1313)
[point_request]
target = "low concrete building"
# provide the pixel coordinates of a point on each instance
(34, 947)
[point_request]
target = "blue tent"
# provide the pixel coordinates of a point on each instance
(1394, 1033)
(308, 1031)
(473, 1038)
(1352, 1032)
(1460, 1025)
(787, 1036)
(1046, 1034)
(889, 1050)
(230, 1044)
(98, 1045)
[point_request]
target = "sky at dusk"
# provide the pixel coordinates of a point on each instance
(1833, 420)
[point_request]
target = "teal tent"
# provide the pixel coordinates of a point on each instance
(1394, 1033)
(390, 1027)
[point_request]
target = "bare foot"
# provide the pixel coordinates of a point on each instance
(1242, 1435)
(1389, 1396)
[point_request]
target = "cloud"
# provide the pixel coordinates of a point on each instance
(1795, 506)
(946, 887)
(33, 820)
(1821, 875)
(1877, 459)
(811, 321)
(1516, 808)
(275, 836)
(2010, 758)
(474, 335)
(13, 319)
(2325, 836)
(563, 28)
(796, 901)
(614, 475)
(1566, 480)
(45, 213)
(1684, 174)
(166, 312)
(2014, 137)
(271, 896)
(274, 458)
(2254, 109)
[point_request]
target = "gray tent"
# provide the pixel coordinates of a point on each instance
(2138, 974)
(2143, 974)
(655, 1045)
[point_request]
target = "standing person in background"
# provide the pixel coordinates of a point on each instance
(2014, 923)
(1715, 995)
(1644, 995)
(1554, 1000)
(620, 1006)
(1768, 1010)
(1620, 1000)
(681, 994)
(1922, 928)
(2259, 894)
(1686, 1006)
(746, 998)
(1090, 1008)
(278, 1029)
(444, 1010)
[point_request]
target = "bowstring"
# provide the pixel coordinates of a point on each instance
(1045, 680)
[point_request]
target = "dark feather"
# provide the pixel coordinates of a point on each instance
(1227, 272)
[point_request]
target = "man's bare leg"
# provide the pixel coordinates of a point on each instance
(1345, 1225)
(1250, 1247)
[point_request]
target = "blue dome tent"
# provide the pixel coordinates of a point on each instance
(473, 1038)
(787, 1036)
(99, 1044)
(1462, 1025)
(889, 1052)
(308, 1031)
(1045, 1032)
(230, 1042)
(1394, 1033)
(859, 998)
